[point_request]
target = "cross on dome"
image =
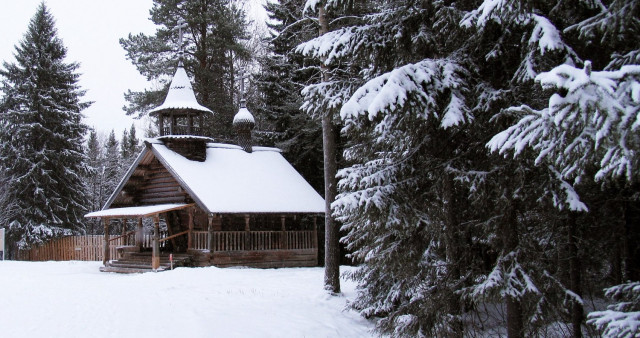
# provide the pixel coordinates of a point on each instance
(243, 77)
(181, 24)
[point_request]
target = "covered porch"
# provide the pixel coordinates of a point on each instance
(217, 240)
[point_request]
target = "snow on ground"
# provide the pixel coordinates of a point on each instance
(74, 299)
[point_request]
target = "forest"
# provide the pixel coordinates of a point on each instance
(479, 158)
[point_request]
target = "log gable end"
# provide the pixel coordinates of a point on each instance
(150, 183)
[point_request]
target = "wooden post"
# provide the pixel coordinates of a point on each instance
(283, 240)
(124, 231)
(247, 229)
(155, 254)
(190, 234)
(315, 232)
(210, 229)
(139, 235)
(161, 120)
(105, 243)
(172, 124)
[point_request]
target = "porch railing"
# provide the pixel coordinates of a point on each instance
(183, 130)
(255, 240)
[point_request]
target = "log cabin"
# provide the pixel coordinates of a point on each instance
(212, 204)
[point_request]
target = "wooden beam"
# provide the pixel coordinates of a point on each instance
(105, 243)
(155, 253)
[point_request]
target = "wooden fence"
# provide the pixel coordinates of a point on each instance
(90, 247)
(79, 248)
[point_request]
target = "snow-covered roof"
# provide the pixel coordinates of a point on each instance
(231, 180)
(183, 137)
(141, 211)
(243, 115)
(180, 95)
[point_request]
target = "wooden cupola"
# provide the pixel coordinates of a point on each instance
(181, 114)
(181, 119)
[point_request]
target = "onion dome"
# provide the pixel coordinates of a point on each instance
(243, 123)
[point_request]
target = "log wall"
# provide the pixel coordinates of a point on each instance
(159, 186)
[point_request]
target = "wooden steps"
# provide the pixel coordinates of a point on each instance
(139, 262)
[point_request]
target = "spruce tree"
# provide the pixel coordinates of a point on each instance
(283, 75)
(93, 180)
(42, 137)
(112, 167)
(436, 220)
(128, 148)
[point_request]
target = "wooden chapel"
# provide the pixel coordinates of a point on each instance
(212, 204)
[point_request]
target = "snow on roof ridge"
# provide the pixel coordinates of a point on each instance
(190, 137)
(237, 147)
(151, 140)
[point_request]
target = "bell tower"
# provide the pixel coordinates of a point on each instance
(181, 118)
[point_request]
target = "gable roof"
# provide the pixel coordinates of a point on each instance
(231, 180)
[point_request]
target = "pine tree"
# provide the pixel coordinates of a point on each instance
(213, 45)
(42, 138)
(322, 101)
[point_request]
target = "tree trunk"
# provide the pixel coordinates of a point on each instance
(331, 240)
(452, 252)
(577, 312)
(514, 318)
(510, 242)
(631, 239)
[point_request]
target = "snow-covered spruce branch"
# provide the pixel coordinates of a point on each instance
(417, 85)
(508, 277)
(595, 122)
(543, 34)
(622, 319)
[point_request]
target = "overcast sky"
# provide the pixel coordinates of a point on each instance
(90, 30)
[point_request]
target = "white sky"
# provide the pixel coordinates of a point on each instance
(90, 30)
